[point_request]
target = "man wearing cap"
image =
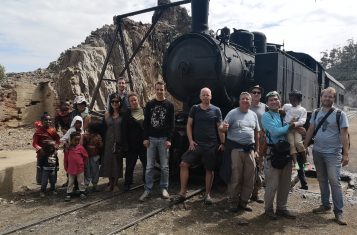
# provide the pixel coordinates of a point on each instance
(259, 108)
(80, 109)
(123, 95)
(277, 181)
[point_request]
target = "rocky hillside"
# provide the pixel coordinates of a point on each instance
(77, 70)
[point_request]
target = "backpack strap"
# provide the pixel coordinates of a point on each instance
(316, 111)
(322, 121)
(338, 117)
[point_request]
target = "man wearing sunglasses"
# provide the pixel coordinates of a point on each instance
(259, 108)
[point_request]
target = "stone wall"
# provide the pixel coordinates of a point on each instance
(22, 101)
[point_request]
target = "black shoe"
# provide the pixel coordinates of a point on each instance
(177, 199)
(126, 188)
(245, 207)
(256, 199)
(271, 215)
(305, 187)
(286, 213)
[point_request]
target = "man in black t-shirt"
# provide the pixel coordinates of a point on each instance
(159, 121)
(202, 132)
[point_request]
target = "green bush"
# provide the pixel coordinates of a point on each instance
(2, 72)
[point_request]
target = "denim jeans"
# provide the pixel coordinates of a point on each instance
(91, 170)
(157, 146)
(48, 175)
(328, 168)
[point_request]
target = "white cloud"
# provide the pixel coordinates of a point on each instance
(35, 32)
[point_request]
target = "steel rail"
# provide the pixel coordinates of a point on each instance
(75, 208)
(152, 213)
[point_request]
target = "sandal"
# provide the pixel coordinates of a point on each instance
(177, 198)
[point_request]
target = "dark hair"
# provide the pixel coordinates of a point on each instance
(45, 115)
(161, 83)
(111, 97)
(297, 94)
(94, 127)
(74, 134)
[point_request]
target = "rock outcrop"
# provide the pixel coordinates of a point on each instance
(25, 96)
(77, 70)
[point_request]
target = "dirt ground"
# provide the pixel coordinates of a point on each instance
(196, 218)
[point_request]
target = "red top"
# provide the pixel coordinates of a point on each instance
(74, 159)
(42, 134)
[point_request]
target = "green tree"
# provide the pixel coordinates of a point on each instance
(2, 72)
(341, 62)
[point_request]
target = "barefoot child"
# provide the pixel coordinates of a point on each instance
(295, 113)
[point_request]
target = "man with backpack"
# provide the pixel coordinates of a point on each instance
(330, 152)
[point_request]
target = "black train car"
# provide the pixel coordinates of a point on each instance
(282, 72)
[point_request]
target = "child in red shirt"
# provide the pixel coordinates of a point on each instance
(74, 161)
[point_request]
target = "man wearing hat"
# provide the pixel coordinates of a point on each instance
(259, 108)
(277, 181)
(80, 109)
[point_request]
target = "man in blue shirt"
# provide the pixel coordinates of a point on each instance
(277, 180)
(331, 140)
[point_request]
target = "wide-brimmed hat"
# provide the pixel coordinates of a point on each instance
(256, 87)
(79, 100)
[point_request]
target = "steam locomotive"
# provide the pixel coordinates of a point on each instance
(229, 63)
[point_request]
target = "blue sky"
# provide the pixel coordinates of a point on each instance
(33, 33)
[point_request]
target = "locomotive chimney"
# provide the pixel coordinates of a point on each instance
(199, 9)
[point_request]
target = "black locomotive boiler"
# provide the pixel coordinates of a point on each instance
(229, 63)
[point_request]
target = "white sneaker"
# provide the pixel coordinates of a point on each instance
(144, 196)
(165, 194)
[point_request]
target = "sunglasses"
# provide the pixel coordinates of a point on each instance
(115, 101)
(256, 92)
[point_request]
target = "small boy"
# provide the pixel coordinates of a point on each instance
(295, 113)
(74, 161)
(92, 142)
(48, 163)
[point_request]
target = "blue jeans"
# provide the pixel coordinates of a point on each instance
(48, 175)
(157, 146)
(328, 167)
(91, 170)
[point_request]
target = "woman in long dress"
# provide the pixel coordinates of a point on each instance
(112, 162)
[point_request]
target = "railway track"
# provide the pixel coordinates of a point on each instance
(42, 224)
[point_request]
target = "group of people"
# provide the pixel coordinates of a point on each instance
(249, 136)
(92, 148)
(245, 140)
